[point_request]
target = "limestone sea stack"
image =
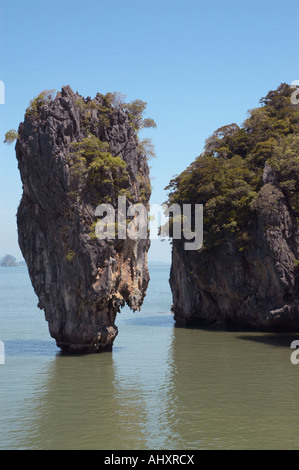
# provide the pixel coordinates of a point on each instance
(75, 154)
(246, 273)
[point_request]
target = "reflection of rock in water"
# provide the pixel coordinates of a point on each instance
(233, 391)
(76, 407)
(74, 154)
(144, 369)
(118, 401)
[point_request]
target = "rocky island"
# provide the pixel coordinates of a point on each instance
(246, 273)
(8, 261)
(74, 154)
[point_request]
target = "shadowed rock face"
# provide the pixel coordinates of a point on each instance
(256, 289)
(81, 281)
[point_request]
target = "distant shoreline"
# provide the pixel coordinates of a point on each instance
(23, 263)
(10, 261)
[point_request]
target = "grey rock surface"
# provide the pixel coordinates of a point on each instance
(81, 281)
(256, 289)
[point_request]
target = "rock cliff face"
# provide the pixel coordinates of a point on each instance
(74, 154)
(246, 274)
(255, 289)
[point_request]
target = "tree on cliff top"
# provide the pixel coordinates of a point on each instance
(134, 109)
(227, 176)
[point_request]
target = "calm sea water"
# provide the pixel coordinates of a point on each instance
(161, 388)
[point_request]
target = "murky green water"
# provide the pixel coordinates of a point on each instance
(161, 387)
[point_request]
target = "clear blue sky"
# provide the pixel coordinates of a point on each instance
(198, 64)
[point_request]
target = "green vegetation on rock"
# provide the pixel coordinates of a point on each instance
(70, 256)
(227, 177)
(39, 101)
(11, 136)
(91, 159)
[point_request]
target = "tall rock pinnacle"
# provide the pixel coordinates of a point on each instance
(75, 154)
